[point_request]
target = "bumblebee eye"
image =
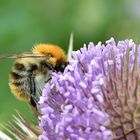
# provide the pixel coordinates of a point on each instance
(47, 65)
(61, 67)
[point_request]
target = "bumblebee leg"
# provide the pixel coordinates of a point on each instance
(32, 85)
(32, 88)
(34, 107)
(48, 80)
(33, 100)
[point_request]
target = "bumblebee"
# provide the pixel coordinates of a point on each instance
(32, 70)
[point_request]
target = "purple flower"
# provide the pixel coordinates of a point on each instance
(79, 104)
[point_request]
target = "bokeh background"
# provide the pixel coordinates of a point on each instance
(28, 22)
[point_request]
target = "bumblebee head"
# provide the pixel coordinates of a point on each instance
(54, 54)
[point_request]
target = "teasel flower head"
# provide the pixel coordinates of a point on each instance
(121, 90)
(72, 104)
(97, 96)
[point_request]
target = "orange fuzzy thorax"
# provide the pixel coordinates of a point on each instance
(55, 53)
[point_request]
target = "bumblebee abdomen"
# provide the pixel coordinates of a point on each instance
(19, 92)
(28, 76)
(19, 85)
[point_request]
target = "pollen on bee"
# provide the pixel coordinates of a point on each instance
(51, 50)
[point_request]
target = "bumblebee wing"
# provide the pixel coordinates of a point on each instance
(16, 55)
(20, 55)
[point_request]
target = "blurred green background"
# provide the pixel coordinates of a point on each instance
(28, 22)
